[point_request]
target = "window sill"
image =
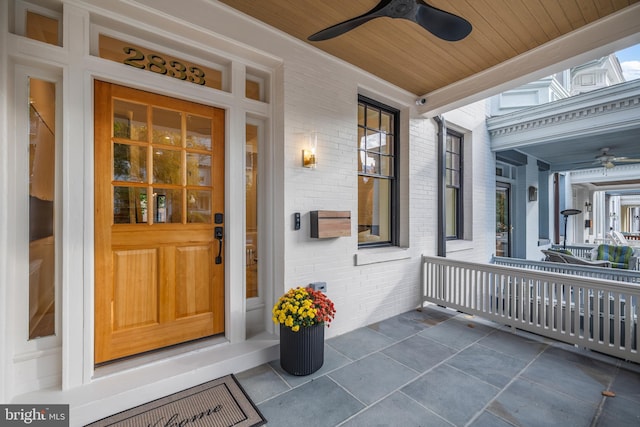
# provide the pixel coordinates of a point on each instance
(378, 255)
(459, 245)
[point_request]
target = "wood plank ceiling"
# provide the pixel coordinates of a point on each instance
(408, 56)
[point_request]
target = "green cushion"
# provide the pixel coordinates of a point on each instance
(619, 256)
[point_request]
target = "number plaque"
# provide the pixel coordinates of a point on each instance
(159, 63)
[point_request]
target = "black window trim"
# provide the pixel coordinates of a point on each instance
(395, 186)
(460, 199)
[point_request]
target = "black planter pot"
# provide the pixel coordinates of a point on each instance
(302, 352)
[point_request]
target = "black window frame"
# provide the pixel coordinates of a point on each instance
(459, 235)
(394, 196)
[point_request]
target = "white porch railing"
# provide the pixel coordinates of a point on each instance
(598, 314)
(616, 274)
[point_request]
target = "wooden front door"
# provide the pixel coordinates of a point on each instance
(159, 199)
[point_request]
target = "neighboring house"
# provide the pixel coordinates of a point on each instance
(152, 171)
(534, 129)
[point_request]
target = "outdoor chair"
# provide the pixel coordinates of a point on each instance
(618, 256)
(565, 256)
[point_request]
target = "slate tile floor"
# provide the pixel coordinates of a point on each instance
(442, 368)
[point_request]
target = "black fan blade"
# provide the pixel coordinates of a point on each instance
(442, 24)
(343, 27)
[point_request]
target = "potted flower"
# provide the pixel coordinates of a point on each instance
(302, 314)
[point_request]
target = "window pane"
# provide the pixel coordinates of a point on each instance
(455, 179)
(167, 167)
(252, 90)
(198, 132)
(129, 120)
(251, 214)
(455, 161)
(198, 169)
(199, 206)
(129, 163)
(360, 115)
(452, 212)
(386, 123)
(168, 205)
(386, 166)
(362, 156)
(42, 28)
(373, 118)
(374, 210)
(129, 205)
(387, 144)
(167, 127)
(372, 163)
(42, 154)
(373, 140)
(362, 141)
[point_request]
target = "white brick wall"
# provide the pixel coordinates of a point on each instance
(321, 96)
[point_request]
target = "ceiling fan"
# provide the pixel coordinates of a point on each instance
(440, 23)
(607, 159)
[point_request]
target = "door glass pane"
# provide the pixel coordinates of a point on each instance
(251, 194)
(168, 205)
(129, 205)
(198, 169)
(198, 132)
(129, 120)
(503, 222)
(42, 154)
(167, 166)
(199, 206)
(129, 163)
(167, 127)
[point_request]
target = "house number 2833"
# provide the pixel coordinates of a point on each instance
(158, 64)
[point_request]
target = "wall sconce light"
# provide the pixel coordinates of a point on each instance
(533, 194)
(587, 206)
(309, 159)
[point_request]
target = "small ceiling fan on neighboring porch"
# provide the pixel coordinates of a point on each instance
(440, 23)
(608, 160)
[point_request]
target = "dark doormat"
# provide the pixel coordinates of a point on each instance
(217, 403)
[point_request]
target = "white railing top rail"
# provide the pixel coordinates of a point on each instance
(548, 276)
